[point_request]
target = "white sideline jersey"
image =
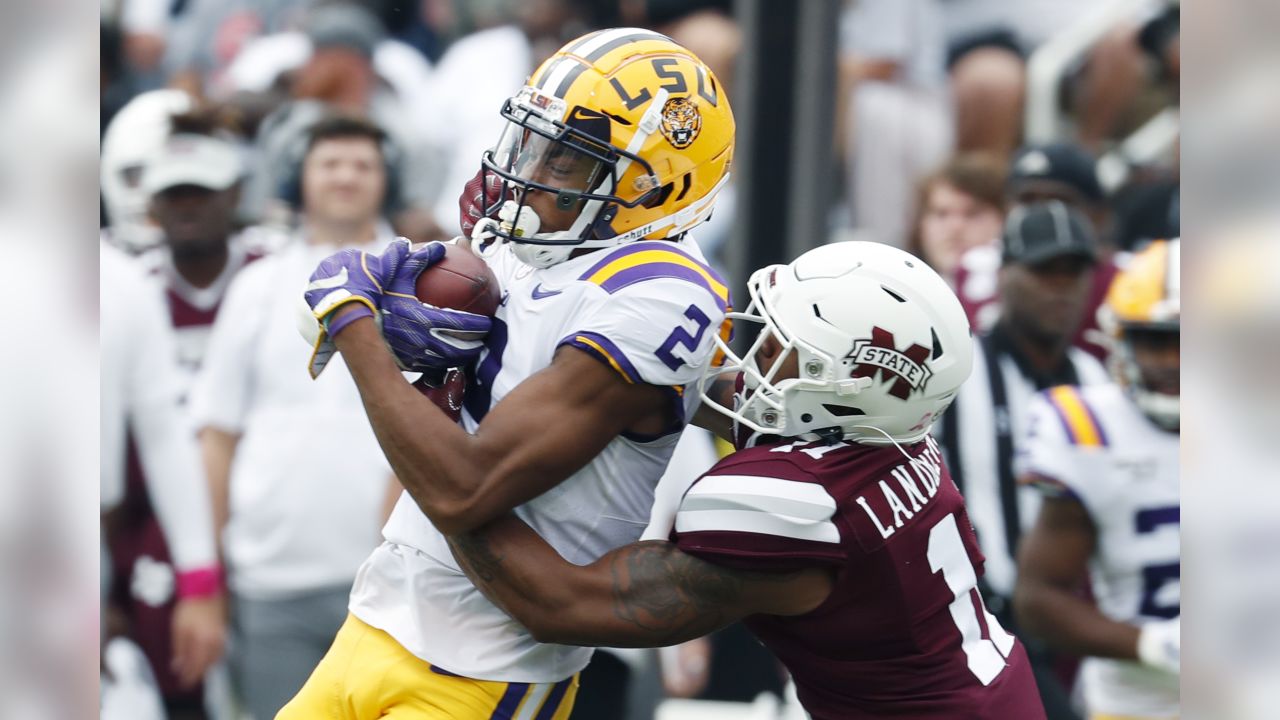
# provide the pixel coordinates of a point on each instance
(649, 311)
(1094, 445)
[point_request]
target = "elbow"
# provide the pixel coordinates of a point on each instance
(548, 621)
(451, 517)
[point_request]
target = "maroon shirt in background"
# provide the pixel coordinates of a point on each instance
(885, 643)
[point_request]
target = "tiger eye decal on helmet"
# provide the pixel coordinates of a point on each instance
(681, 122)
(630, 134)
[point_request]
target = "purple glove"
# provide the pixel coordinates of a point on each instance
(424, 337)
(348, 276)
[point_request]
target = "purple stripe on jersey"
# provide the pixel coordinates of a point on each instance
(552, 702)
(442, 671)
(604, 350)
(631, 249)
(654, 270)
(510, 701)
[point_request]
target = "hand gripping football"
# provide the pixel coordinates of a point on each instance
(460, 281)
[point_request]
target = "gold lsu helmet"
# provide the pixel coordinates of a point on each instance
(626, 126)
(1145, 297)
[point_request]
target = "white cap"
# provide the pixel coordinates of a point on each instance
(188, 159)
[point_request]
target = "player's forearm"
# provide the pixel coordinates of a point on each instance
(438, 462)
(1071, 623)
(176, 485)
(518, 571)
(635, 596)
(217, 450)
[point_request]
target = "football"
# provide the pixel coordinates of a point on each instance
(460, 281)
(448, 394)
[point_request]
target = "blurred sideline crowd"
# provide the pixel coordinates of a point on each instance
(244, 140)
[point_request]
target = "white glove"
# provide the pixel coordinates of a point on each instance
(1160, 645)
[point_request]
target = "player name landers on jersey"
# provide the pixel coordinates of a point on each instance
(903, 632)
(917, 481)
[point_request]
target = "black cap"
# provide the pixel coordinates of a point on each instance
(1043, 231)
(1065, 163)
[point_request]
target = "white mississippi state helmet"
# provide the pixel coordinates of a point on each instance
(883, 346)
(134, 135)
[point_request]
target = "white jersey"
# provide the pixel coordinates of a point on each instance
(1094, 445)
(192, 309)
(648, 310)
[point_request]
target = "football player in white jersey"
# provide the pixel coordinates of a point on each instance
(1107, 458)
(617, 147)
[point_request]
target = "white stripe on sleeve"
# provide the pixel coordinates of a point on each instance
(760, 505)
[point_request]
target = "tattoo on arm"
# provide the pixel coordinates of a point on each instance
(478, 558)
(660, 589)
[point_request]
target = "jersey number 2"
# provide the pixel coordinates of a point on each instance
(680, 336)
(987, 653)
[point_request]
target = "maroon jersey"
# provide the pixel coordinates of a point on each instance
(904, 633)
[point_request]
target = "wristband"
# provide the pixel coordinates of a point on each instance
(334, 324)
(200, 583)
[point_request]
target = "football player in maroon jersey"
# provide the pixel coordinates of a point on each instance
(835, 532)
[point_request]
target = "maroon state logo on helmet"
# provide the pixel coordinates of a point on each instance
(879, 355)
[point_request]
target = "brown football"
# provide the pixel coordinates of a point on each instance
(448, 394)
(460, 281)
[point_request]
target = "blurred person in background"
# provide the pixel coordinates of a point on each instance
(168, 595)
(295, 519)
(1063, 172)
(894, 121)
(960, 207)
(192, 183)
(342, 60)
(136, 133)
(989, 42)
(1048, 256)
(1106, 459)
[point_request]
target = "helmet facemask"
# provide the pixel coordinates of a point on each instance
(767, 404)
(571, 160)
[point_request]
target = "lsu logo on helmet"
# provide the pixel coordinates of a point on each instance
(681, 122)
(629, 132)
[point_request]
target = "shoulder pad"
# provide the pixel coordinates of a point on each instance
(650, 260)
(759, 505)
